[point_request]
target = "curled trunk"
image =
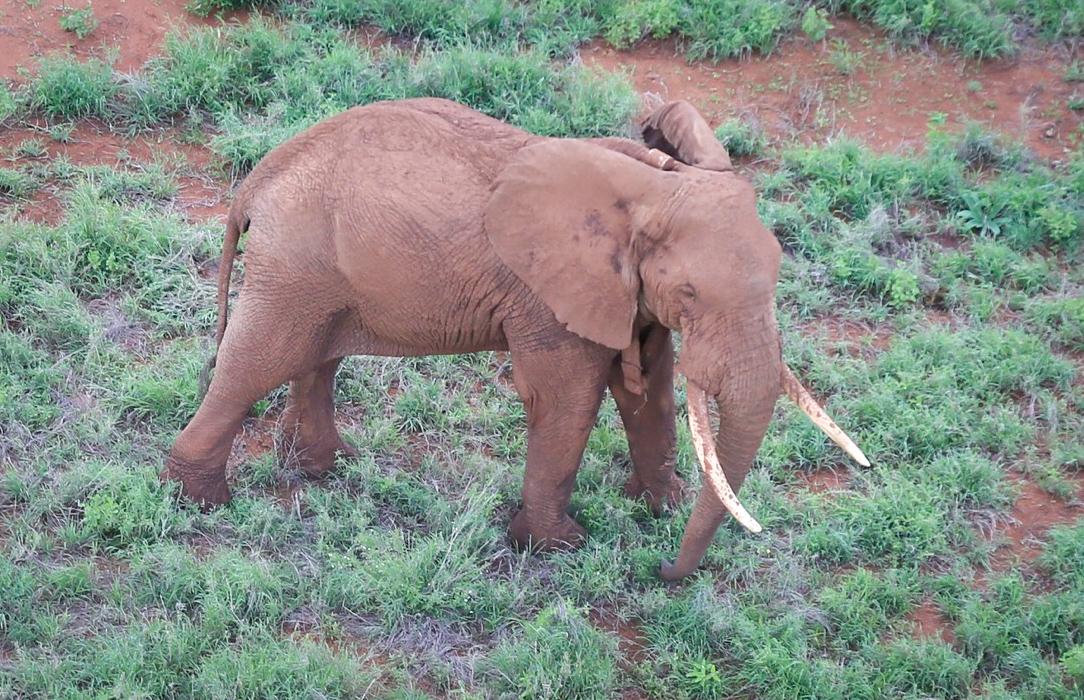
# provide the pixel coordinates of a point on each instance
(739, 438)
(745, 409)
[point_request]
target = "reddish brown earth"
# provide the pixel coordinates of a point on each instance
(631, 643)
(886, 102)
(825, 480)
(1033, 513)
(257, 438)
(133, 29)
(201, 192)
(856, 338)
(930, 624)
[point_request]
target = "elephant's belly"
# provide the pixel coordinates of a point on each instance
(375, 329)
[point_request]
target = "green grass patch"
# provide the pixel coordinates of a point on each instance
(928, 299)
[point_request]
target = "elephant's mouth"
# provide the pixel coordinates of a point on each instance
(704, 443)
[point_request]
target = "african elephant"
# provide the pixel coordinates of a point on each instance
(422, 227)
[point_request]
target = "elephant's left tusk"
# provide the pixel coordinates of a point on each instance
(665, 162)
(709, 459)
(799, 395)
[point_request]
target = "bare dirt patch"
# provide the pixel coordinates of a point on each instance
(1034, 513)
(825, 480)
(130, 30)
(257, 438)
(201, 185)
(630, 638)
(631, 643)
(856, 338)
(887, 101)
(930, 624)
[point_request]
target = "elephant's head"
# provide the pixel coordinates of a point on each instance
(604, 239)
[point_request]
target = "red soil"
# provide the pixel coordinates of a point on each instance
(857, 339)
(825, 480)
(630, 638)
(1034, 513)
(886, 102)
(133, 29)
(631, 643)
(257, 439)
(201, 191)
(929, 624)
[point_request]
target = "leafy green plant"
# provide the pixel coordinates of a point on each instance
(845, 60)
(559, 655)
(1072, 664)
(126, 509)
(635, 20)
(8, 103)
(1074, 72)
(716, 29)
(703, 680)
(973, 27)
(981, 215)
(16, 183)
(815, 23)
(741, 137)
(81, 22)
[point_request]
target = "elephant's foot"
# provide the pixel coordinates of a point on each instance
(660, 497)
(315, 459)
(205, 486)
(565, 534)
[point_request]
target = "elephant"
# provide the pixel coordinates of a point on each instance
(421, 226)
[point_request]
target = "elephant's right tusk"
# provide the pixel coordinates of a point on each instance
(709, 459)
(799, 395)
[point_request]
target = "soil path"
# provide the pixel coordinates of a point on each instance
(886, 101)
(134, 29)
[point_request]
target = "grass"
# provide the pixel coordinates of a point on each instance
(704, 29)
(957, 270)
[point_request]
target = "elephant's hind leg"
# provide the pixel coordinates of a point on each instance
(308, 424)
(259, 352)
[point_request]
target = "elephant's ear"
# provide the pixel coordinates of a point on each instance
(678, 130)
(560, 218)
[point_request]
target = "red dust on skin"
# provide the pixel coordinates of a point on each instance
(131, 29)
(887, 102)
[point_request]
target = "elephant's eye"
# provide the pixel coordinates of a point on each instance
(686, 292)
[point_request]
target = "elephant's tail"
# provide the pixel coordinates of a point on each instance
(236, 224)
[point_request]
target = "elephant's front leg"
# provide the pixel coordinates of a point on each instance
(561, 390)
(649, 420)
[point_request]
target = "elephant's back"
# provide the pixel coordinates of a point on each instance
(408, 147)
